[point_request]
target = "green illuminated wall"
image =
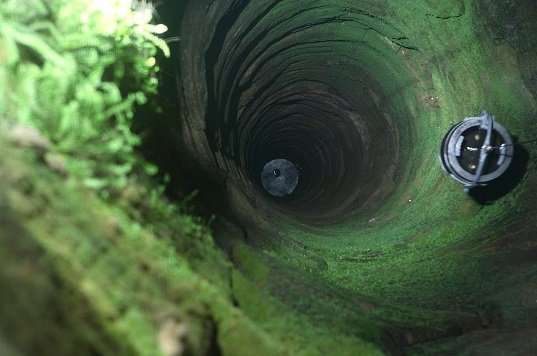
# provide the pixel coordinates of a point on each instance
(380, 244)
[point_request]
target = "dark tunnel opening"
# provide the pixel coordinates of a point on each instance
(277, 92)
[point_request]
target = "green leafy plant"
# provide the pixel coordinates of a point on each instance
(75, 70)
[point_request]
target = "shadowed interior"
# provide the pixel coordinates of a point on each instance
(289, 84)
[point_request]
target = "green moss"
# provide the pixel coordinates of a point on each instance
(103, 282)
(296, 334)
